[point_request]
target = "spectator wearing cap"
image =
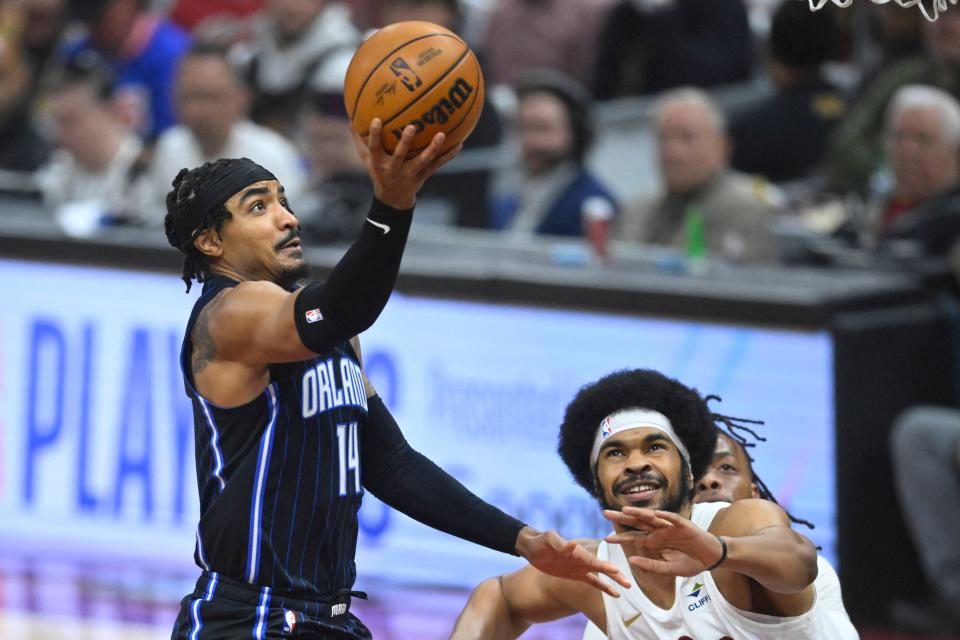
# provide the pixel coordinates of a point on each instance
(923, 149)
(212, 103)
(300, 47)
(702, 201)
(140, 50)
(556, 194)
(783, 137)
(647, 46)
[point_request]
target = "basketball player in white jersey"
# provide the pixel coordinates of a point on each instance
(730, 477)
(710, 571)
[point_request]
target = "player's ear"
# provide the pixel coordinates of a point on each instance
(754, 492)
(209, 243)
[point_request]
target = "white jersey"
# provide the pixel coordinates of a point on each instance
(700, 612)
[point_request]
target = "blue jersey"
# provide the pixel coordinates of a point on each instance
(279, 477)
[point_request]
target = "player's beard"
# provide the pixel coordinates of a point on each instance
(290, 275)
(676, 495)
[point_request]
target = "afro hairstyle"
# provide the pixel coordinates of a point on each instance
(635, 388)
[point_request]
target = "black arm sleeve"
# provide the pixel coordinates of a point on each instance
(351, 299)
(407, 481)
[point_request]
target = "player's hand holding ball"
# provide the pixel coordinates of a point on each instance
(413, 92)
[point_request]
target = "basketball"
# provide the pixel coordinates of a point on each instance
(415, 73)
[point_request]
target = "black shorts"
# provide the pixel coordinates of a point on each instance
(223, 609)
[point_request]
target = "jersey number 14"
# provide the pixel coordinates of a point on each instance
(349, 447)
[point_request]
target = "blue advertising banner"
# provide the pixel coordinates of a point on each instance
(96, 433)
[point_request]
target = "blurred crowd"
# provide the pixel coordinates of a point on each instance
(846, 141)
(842, 147)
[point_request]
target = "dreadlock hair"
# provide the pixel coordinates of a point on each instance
(734, 429)
(183, 223)
(636, 388)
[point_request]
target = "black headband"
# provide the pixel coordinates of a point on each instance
(218, 190)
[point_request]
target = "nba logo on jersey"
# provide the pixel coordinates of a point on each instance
(313, 315)
(289, 620)
(606, 428)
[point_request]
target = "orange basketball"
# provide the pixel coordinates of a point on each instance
(414, 73)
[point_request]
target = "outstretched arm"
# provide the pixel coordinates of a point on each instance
(409, 482)
(504, 607)
(759, 545)
(260, 323)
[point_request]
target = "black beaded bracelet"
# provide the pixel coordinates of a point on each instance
(723, 554)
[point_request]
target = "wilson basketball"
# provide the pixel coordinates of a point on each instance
(414, 73)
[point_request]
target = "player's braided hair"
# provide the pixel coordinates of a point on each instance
(183, 223)
(735, 427)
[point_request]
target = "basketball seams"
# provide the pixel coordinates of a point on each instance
(423, 93)
(466, 113)
(378, 65)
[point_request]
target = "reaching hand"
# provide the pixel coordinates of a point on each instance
(684, 548)
(396, 179)
(553, 555)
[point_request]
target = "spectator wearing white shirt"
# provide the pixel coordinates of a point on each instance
(300, 48)
(91, 170)
(211, 104)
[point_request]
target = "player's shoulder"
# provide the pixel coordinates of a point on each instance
(743, 517)
(245, 298)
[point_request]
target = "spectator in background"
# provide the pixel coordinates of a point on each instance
(856, 150)
(894, 34)
(783, 137)
(300, 46)
(338, 193)
(925, 447)
(923, 149)
(465, 191)
(91, 171)
(703, 200)
(140, 50)
(43, 26)
(647, 46)
(222, 21)
(524, 35)
(21, 147)
(557, 195)
(212, 104)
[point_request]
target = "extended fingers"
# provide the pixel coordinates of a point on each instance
(594, 581)
(436, 163)
(428, 155)
(628, 537)
(375, 137)
(611, 570)
(403, 148)
(650, 565)
(643, 519)
(672, 518)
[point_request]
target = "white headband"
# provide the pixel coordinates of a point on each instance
(635, 419)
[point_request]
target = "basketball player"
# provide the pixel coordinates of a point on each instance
(729, 478)
(288, 431)
(635, 440)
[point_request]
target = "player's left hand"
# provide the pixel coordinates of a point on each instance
(684, 549)
(549, 552)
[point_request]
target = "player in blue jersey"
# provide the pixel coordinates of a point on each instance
(288, 432)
